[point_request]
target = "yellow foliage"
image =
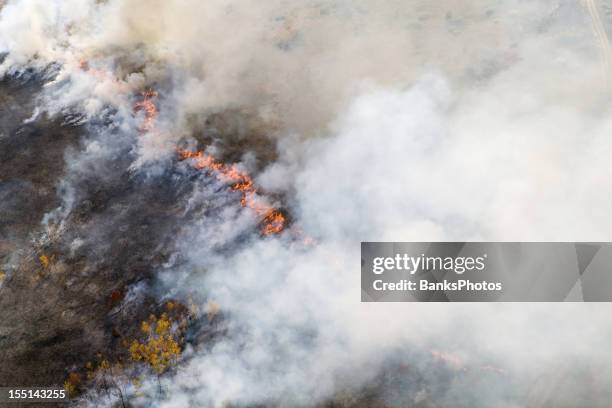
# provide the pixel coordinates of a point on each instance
(71, 384)
(2, 275)
(159, 349)
(44, 261)
(90, 370)
(163, 324)
(70, 388)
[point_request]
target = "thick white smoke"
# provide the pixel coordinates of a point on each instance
(395, 120)
(409, 165)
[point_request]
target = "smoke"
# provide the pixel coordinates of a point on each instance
(298, 331)
(393, 120)
(290, 64)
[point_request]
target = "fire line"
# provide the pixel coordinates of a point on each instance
(273, 220)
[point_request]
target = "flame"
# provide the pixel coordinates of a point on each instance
(272, 219)
(274, 222)
(150, 110)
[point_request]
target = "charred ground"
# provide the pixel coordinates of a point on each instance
(68, 272)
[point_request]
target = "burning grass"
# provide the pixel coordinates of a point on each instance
(273, 221)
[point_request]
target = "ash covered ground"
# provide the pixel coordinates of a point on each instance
(73, 298)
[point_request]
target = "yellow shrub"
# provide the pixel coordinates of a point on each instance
(159, 349)
(70, 388)
(44, 261)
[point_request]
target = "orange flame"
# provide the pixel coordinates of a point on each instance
(150, 110)
(273, 220)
